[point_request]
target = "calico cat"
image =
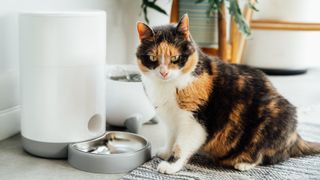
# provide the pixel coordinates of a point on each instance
(230, 112)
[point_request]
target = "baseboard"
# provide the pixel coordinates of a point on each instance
(9, 122)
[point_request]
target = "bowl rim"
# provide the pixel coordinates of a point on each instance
(147, 145)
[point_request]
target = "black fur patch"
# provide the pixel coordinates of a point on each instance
(214, 115)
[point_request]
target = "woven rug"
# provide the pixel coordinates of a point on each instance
(201, 167)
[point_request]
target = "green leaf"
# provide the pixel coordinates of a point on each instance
(157, 8)
(199, 1)
(150, 4)
(252, 6)
(145, 12)
(236, 13)
(213, 7)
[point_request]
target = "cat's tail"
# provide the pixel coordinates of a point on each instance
(302, 147)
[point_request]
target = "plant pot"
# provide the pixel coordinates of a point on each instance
(283, 51)
(289, 10)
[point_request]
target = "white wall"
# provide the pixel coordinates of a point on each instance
(121, 40)
(121, 14)
(121, 43)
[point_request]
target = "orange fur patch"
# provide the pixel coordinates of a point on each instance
(196, 93)
(274, 108)
(241, 82)
(235, 114)
(219, 145)
(191, 63)
(269, 152)
(258, 133)
(244, 157)
(268, 84)
(292, 139)
(173, 66)
(271, 106)
(166, 49)
(272, 90)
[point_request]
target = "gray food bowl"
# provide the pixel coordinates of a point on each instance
(114, 152)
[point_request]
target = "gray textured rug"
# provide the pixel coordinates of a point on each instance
(201, 167)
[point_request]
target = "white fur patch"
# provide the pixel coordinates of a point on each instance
(164, 153)
(169, 168)
(183, 129)
(244, 166)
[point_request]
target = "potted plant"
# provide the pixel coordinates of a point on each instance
(208, 9)
(234, 10)
(212, 7)
(203, 17)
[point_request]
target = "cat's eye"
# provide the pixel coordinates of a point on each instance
(152, 58)
(174, 58)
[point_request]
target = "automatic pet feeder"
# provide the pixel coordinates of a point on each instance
(62, 70)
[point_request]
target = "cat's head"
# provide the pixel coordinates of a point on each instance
(166, 52)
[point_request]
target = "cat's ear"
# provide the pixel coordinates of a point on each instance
(144, 31)
(183, 26)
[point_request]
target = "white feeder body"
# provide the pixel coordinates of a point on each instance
(62, 70)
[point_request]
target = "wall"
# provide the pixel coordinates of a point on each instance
(121, 14)
(121, 43)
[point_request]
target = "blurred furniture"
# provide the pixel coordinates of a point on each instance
(285, 42)
(229, 51)
(283, 25)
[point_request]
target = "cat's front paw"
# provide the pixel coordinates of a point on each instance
(163, 154)
(169, 168)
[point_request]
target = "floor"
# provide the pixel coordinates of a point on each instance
(301, 90)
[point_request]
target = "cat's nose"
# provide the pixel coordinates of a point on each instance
(164, 74)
